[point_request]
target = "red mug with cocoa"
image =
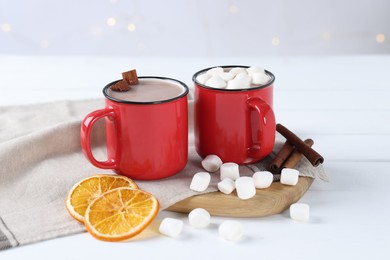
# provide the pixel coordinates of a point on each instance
(237, 124)
(146, 129)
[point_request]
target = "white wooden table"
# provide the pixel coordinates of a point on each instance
(343, 103)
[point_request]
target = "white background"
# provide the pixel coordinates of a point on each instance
(194, 27)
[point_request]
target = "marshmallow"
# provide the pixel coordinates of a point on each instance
(235, 71)
(211, 163)
(226, 186)
(242, 80)
(215, 71)
(234, 84)
(216, 82)
(236, 78)
(252, 70)
(263, 179)
(243, 76)
(229, 170)
(200, 181)
(202, 78)
(300, 212)
(289, 176)
(260, 78)
(231, 230)
(239, 82)
(171, 227)
(226, 76)
(199, 218)
(245, 188)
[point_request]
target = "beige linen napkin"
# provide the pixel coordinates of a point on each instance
(41, 159)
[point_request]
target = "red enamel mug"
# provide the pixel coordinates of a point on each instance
(238, 125)
(146, 140)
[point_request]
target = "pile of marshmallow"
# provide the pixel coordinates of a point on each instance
(231, 180)
(200, 218)
(235, 78)
(245, 187)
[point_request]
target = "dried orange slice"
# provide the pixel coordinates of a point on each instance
(85, 191)
(120, 214)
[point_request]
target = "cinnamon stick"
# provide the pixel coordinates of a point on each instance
(285, 152)
(314, 158)
(296, 156)
(128, 78)
(292, 160)
(120, 86)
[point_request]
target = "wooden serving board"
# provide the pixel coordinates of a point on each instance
(270, 201)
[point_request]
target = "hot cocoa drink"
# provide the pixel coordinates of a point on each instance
(146, 128)
(149, 90)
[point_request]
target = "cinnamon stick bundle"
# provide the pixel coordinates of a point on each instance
(314, 158)
(296, 156)
(281, 157)
(128, 78)
(291, 156)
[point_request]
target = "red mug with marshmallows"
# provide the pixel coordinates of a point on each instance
(146, 129)
(238, 125)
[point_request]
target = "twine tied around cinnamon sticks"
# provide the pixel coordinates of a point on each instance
(292, 151)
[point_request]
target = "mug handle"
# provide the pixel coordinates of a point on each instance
(267, 125)
(85, 140)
